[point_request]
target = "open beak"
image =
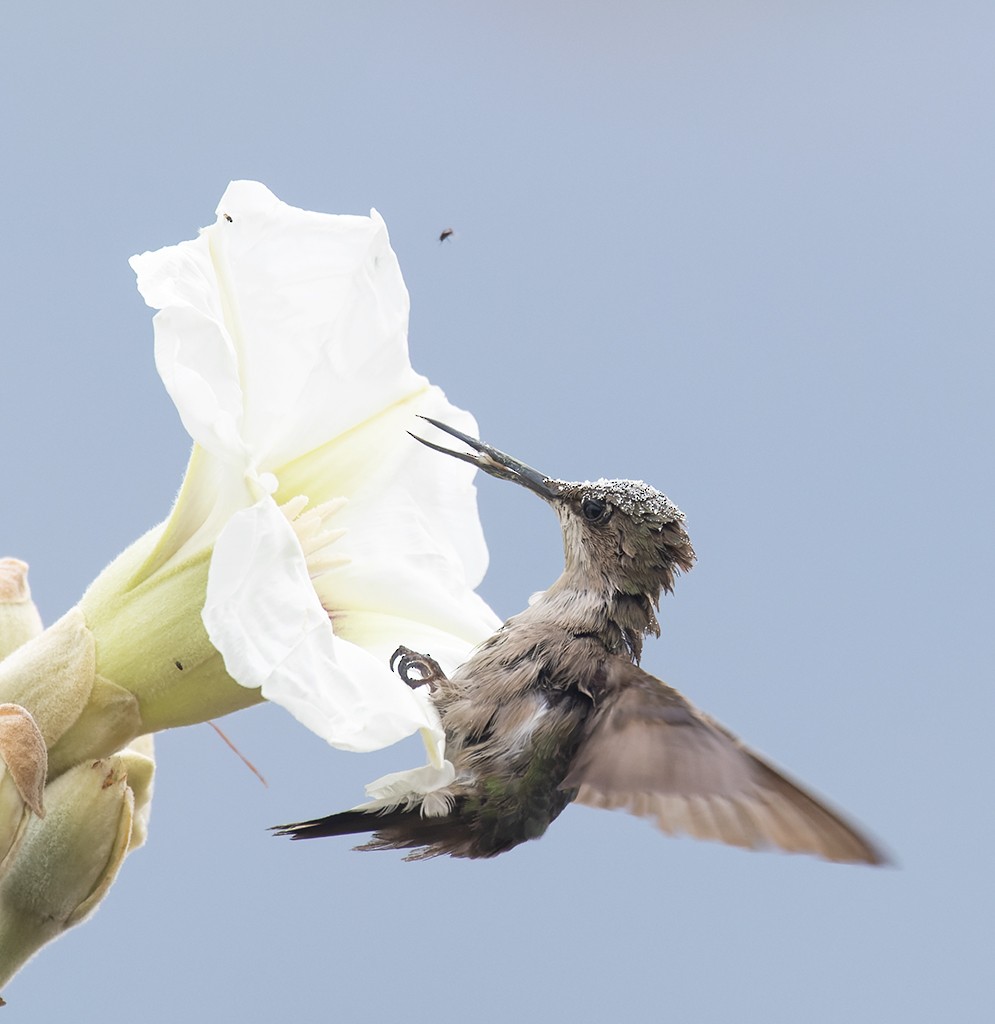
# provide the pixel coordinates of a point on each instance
(494, 462)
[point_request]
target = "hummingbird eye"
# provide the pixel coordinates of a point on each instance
(595, 510)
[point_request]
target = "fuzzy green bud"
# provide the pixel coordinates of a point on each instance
(67, 861)
(19, 618)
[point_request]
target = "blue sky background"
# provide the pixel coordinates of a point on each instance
(741, 251)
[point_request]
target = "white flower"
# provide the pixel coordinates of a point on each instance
(310, 538)
(282, 340)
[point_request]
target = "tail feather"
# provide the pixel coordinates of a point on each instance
(427, 836)
(346, 823)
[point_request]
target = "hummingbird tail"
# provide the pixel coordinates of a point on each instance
(427, 836)
(346, 823)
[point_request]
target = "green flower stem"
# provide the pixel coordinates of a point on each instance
(150, 641)
(132, 658)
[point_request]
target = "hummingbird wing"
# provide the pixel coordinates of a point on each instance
(649, 751)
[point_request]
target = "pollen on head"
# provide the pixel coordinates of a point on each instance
(633, 497)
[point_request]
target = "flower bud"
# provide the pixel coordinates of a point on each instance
(67, 861)
(23, 767)
(52, 675)
(138, 759)
(14, 817)
(19, 618)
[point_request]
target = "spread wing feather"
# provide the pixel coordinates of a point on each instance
(652, 753)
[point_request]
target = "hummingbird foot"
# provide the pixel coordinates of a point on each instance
(417, 669)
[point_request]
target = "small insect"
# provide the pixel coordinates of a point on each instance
(228, 218)
(446, 234)
(179, 665)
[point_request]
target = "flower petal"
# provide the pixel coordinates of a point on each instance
(263, 615)
(319, 312)
(195, 355)
(279, 325)
(413, 539)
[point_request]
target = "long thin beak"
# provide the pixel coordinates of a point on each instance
(494, 462)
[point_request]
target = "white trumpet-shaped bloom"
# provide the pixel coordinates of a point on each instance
(281, 337)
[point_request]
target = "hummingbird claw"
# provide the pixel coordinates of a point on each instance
(427, 669)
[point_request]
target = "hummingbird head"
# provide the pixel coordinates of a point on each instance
(627, 532)
(623, 533)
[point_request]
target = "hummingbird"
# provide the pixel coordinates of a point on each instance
(553, 708)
